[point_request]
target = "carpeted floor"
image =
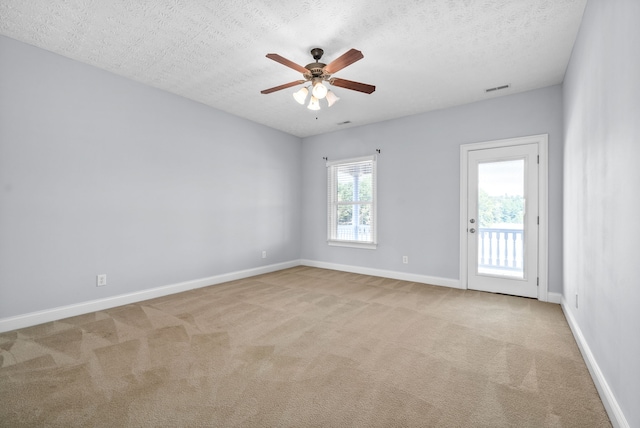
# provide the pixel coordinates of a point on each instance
(303, 347)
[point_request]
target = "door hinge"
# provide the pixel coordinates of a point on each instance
(538, 158)
(538, 282)
(538, 219)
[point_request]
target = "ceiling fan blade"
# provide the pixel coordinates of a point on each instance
(290, 64)
(354, 86)
(285, 86)
(341, 62)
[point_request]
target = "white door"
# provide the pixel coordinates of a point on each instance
(502, 220)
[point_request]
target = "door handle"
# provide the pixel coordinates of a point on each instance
(472, 230)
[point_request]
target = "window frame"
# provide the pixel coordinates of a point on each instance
(332, 204)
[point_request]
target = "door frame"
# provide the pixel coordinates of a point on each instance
(542, 140)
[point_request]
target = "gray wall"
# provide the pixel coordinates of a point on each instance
(419, 181)
(99, 174)
(602, 201)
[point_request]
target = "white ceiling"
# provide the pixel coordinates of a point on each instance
(421, 55)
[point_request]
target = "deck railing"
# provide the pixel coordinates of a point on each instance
(349, 233)
(500, 248)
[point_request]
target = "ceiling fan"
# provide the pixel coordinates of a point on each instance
(316, 73)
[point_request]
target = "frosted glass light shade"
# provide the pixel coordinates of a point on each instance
(301, 95)
(319, 91)
(332, 98)
(314, 104)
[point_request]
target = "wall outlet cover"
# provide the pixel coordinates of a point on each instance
(101, 280)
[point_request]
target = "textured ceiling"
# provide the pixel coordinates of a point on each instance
(421, 55)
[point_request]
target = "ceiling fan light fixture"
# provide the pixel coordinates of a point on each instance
(319, 90)
(301, 95)
(332, 98)
(315, 74)
(314, 103)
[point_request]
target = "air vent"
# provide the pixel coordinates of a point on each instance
(497, 88)
(345, 122)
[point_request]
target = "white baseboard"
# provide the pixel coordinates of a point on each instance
(403, 276)
(606, 395)
(34, 318)
(54, 314)
(554, 297)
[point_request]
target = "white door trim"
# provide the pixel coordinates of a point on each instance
(542, 141)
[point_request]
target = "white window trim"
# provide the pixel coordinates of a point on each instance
(354, 244)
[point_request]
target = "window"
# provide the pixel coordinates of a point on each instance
(352, 202)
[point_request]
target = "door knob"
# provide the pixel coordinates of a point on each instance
(472, 230)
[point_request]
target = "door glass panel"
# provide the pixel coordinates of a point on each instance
(501, 204)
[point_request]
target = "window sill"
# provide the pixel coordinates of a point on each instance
(353, 244)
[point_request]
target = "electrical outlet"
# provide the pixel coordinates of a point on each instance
(101, 280)
(405, 259)
(264, 254)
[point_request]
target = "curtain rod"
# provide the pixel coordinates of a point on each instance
(325, 158)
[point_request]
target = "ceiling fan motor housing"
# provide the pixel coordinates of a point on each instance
(315, 70)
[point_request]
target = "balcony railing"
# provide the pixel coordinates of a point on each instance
(348, 232)
(500, 250)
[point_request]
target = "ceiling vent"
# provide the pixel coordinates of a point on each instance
(497, 88)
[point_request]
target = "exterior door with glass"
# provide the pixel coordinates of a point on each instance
(502, 220)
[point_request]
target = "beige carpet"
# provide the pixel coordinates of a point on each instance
(303, 347)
